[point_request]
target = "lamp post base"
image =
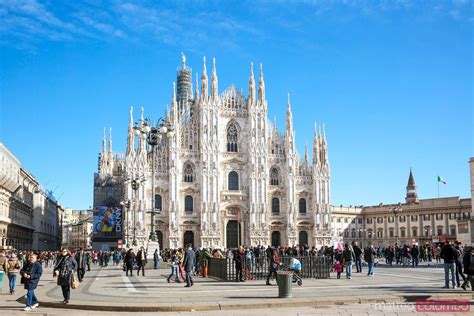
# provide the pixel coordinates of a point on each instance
(150, 250)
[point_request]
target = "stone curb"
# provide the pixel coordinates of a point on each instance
(264, 303)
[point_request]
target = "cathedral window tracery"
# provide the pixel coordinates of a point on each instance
(302, 206)
(232, 138)
(158, 202)
(233, 182)
(274, 176)
(188, 204)
(188, 173)
(275, 205)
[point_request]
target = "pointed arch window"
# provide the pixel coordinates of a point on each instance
(188, 204)
(188, 173)
(158, 202)
(233, 181)
(275, 205)
(302, 206)
(274, 176)
(232, 138)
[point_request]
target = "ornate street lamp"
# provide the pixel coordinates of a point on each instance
(127, 204)
(154, 136)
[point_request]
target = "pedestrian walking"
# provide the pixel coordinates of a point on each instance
(369, 257)
(204, 261)
(30, 276)
(449, 255)
(468, 263)
(81, 259)
(239, 261)
(129, 261)
(274, 261)
(459, 264)
(188, 264)
(348, 257)
(141, 261)
(64, 270)
(358, 256)
(156, 259)
(89, 261)
(338, 267)
(12, 267)
(174, 262)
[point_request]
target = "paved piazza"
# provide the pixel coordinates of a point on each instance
(108, 289)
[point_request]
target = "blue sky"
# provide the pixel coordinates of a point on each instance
(391, 80)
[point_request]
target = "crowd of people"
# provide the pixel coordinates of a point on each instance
(70, 267)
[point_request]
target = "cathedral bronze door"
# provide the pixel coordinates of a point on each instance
(303, 238)
(276, 239)
(233, 234)
(188, 238)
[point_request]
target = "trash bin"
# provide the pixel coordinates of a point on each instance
(284, 279)
(2, 275)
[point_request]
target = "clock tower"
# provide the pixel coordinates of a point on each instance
(412, 196)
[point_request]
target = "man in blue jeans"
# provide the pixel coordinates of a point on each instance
(449, 254)
(369, 257)
(348, 256)
(31, 274)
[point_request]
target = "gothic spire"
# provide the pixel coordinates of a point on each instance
(110, 143)
(289, 116)
(204, 79)
(130, 136)
(251, 86)
(306, 156)
(214, 80)
(141, 141)
(104, 145)
(261, 87)
(196, 91)
(174, 105)
(316, 152)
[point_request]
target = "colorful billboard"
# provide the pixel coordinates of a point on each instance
(107, 222)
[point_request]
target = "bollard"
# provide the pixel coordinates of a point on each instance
(284, 279)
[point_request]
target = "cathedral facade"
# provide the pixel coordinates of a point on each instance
(225, 176)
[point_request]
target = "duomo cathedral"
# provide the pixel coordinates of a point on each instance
(225, 175)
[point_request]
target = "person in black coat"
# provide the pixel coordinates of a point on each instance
(449, 255)
(468, 265)
(239, 260)
(129, 261)
(358, 256)
(64, 270)
(30, 276)
(141, 261)
(188, 264)
(81, 259)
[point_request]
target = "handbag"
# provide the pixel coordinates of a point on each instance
(74, 281)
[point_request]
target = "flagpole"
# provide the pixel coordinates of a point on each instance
(437, 180)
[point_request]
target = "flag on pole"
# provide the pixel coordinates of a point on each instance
(443, 181)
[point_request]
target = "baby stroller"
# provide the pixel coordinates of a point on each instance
(296, 273)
